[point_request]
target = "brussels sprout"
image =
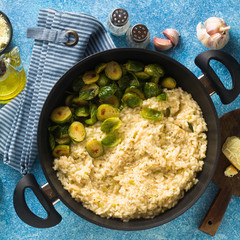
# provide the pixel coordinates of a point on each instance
(77, 84)
(135, 83)
(131, 99)
(76, 132)
(100, 67)
(94, 148)
(113, 100)
(105, 111)
(61, 131)
(89, 92)
(76, 101)
(151, 89)
(61, 114)
(124, 82)
(124, 70)
(133, 89)
(53, 128)
(52, 142)
(113, 70)
(142, 75)
(82, 111)
(162, 96)
(68, 100)
(150, 113)
(134, 66)
(61, 150)
(118, 93)
(168, 82)
(154, 70)
(111, 140)
(110, 125)
(103, 80)
(63, 141)
(93, 114)
(167, 112)
(90, 77)
(106, 92)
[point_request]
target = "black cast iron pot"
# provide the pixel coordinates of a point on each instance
(49, 193)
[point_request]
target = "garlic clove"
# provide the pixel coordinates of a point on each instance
(162, 44)
(173, 35)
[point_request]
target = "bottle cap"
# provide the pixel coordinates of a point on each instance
(119, 17)
(139, 32)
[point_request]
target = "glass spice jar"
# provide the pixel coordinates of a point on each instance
(118, 22)
(138, 36)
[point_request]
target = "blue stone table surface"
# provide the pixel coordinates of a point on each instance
(157, 15)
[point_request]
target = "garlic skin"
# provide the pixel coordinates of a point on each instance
(165, 44)
(214, 33)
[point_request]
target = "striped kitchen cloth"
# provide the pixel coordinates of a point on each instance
(51, 58)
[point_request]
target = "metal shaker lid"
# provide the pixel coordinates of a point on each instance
(119, 17)
(139, 32)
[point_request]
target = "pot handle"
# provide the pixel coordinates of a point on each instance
(23, 211)
(202, 61)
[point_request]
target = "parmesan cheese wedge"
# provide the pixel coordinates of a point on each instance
(231, 149)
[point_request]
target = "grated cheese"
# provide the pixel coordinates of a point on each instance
(4, 32)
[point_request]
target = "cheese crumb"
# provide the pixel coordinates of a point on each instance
(230, 171)
(4, 32)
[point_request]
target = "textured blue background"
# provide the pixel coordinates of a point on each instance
(157, 15)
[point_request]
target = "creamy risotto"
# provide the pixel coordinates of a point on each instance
(149, 171)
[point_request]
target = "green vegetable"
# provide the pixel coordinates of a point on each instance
(167, 112)
(61, 131)
(100, 67)
(77, 84)
(63, 141)
(162, 96)
(105, 111)
(111, 140)
(113, 70)
(151, 89)
(124, 70)
(133, 89)
(142, 75)
(190, 126)
(77, 132)
(68, 100)
(93, 114)
(131, 99)
(61, 114)
(106, 92)
(124, 82)
(134, 66)
(52, 141)
(150, 113)
(89, 92)
(103, 80)
(61, 150)
(94, 148)
(113, 100)
(79, 102)
(82, 111)
(53, 128)
(154, 70)
(110, 125)
(169, 82)
(135, 83)
(90, 77)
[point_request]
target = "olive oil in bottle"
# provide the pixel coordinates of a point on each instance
(12, 75)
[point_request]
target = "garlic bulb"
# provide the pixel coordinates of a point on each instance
(165, 44)
(213, 33)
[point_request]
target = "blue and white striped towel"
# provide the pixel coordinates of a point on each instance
(51, 58)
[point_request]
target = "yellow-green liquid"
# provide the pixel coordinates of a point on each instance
(12, 85)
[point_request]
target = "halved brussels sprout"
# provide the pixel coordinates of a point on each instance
(135, 83)
(61, 131)
(105, 111)
(94, 148)
(89, 92)
(68, 100)
(61, 150)
(131, 99)
(63, 141)
(76, 101)
(82, 111)
(111, 140)
(169, 82)
(142, 75)
(113, 70)
(154, 70)
(77, 84)
(134, 66)
(110, 125)
(61, 114)
(151, 89)
(90, 77)
(52, 142)
(93, 114)
(150, 113)
(124, 82)
(103, 80)
(162, 96)
(113, 100)
(100, 67)
(107, 91)
(76, 132)
(133, 89)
